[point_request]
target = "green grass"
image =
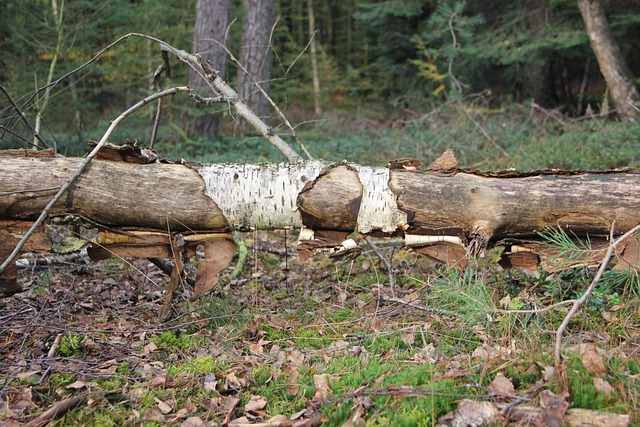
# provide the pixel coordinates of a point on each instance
(388, 348)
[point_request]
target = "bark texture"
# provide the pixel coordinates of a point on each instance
(212, 20)
(166, 210)
(323, 195)
(256, 54)
(614, 68)
(157, 196)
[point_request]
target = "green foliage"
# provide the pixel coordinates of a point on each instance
(71, 345)
(172, 341)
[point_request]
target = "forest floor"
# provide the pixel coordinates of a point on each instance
(305, 343)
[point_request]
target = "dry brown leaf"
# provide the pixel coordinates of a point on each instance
(277, 421)
(76, 385)
(337, 348)
(628, 253)
(321, 384)
(603, 387)
(149, 348)
(408, 338)
(548, 371)
(218, 253)
(502, 386)
(473, 413)
(23, 400)
(210, 382)
(292, 380)
(256, 348)
(446, 162)
(193, 422)
(593, 362)
(163, 407)
(554, 408)
(152, 415)
(232, 382)
(255, 403)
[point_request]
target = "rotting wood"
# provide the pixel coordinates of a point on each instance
(178, 197)
(450, 210)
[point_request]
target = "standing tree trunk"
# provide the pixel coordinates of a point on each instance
(256, 54)
(537, 77)
(314, 59)
(212, 20)
(616, 73)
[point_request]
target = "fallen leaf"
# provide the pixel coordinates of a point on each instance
(446, 162)
(337, 348)
(163, 406)
(193, 422)
(603, 387)
(593, 362)
(159, 381)
(218, 253)
(292, 380)
(210, 382)
(408, 338)
(255, 403)
(152, 415)
(149, 348)
(256, 348)
(473, 413)
(554, 408)
(76, 385)
(231, 382)
(548, 371)
(321, 384)
(502, 387)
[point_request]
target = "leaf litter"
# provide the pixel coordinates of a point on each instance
(276, 331)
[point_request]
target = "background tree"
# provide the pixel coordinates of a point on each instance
(256, 54)
(612, 64)
(212, 21)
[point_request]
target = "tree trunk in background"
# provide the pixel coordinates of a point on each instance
(212, 20)
(537, 77)
(256, 54)
(314, 59)
(614, 68)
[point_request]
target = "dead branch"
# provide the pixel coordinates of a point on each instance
(57, 410)
(23, 117)
(83, 166)
(268, 98)
(578, 303)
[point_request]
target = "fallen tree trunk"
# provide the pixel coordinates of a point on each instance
(321, 195)
(450, 211)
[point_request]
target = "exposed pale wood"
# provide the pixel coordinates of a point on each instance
(528, 415)
(454, 204)
(175, 197)
(157, 196)
(339, 211)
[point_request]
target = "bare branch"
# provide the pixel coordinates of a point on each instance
(83, 165)
(273, 104)
(577, 303)
(23, 116)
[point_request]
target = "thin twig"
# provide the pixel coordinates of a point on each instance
(83, 166)
(57, 410)
(23, 116)
(587, 293)
(386, 263)
(484, 132)
(271, 101)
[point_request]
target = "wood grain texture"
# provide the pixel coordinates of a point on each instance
(512, 206)
(157, 196)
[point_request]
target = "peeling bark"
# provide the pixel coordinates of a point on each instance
(144, 209)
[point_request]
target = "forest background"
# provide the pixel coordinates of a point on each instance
(396, 78)
(504, 84)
